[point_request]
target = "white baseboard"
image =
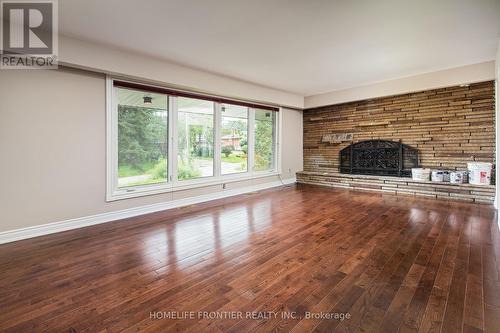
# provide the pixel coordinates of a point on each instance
(80, 222)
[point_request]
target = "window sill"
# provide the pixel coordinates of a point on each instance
(141, 191)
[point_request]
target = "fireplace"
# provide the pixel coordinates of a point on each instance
(378, 157)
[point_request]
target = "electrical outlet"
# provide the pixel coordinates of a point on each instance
(289, 170)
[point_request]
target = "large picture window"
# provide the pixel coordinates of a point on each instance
(265, 140)
(142, 138)
(195, 145)
(234, 139)
(162, 140)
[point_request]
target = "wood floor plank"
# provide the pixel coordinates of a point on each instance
(431, 259)
(436, 304)
(453, 317)
(390, 263)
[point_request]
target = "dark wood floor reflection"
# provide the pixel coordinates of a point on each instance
(390, 263)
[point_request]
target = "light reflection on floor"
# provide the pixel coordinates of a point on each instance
(201, 239)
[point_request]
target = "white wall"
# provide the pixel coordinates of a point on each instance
(292, 143)
(497, 124)
(103, 59)
(52, 147)
(460, 75)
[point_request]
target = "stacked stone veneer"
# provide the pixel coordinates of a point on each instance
(449, 127)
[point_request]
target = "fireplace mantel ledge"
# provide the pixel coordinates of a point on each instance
(389, 178)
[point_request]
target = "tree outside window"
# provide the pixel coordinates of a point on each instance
(142, 138)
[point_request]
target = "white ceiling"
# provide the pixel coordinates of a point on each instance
(301, 46)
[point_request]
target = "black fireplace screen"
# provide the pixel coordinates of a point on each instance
(378, 157)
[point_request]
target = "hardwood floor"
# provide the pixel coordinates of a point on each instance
(389, 263)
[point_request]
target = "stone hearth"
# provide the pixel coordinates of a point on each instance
(401, 186)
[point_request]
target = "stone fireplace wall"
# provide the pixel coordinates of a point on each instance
(448, 126)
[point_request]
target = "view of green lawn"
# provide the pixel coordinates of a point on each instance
(149, 173)
(143, 133)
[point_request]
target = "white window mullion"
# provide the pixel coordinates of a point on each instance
(173, 138)
(112, 140)
(278, 127)
(217, 140)
(251, 140)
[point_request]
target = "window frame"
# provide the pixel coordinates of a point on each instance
(277, 138)
(249, 142)
(113, 192)
(175, 142)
